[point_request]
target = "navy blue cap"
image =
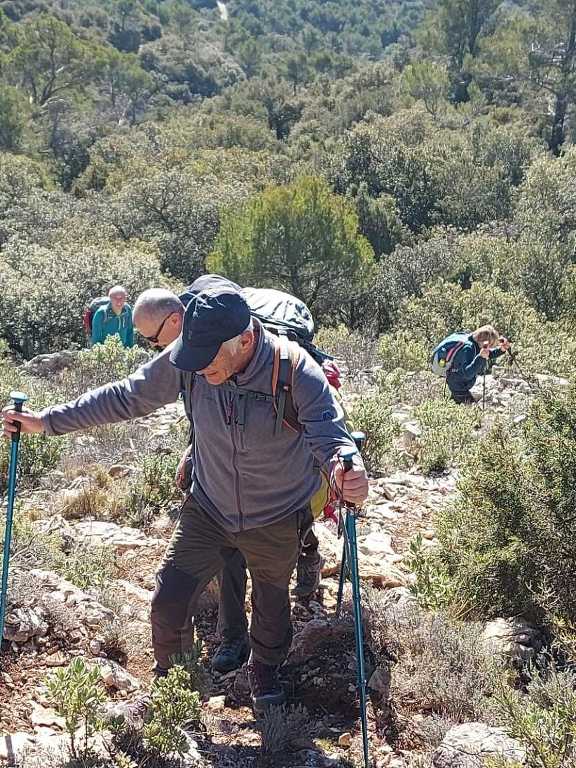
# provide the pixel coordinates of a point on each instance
(206, 283)
(211, 318)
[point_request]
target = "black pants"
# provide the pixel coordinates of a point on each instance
(232, 621)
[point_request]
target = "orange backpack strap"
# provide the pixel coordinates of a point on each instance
(286, 357)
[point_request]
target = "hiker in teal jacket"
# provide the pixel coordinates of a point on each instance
(114, 318)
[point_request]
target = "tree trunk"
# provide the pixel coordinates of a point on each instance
(557, 134)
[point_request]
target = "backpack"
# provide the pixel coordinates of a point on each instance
(291, 321)
(444, 354)
(90, 311)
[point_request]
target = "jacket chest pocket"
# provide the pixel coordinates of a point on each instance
(256, 421)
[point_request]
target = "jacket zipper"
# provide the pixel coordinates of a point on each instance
(233, 428)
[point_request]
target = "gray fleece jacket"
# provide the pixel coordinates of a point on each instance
(244, 475)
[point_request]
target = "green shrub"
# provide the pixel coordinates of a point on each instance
(441, 667)
(432, 586)
(99, 365)
(154, 491)
(45, 289)
(87, 565)
(37, 454)
(509, 541)
(77, 693)
(173, 704)
(447, 433)
(401, 349)
(355, 349)
(485, 536)
(542, 718)
(372, 415)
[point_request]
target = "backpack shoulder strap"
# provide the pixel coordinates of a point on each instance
(286, 357)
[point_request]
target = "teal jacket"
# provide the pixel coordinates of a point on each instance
(106, 323)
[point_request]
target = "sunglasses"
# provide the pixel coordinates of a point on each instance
(154, 339)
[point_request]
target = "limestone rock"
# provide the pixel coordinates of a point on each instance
(121, 537)
(514, 639)
(12, 746)
(115, 676)
(48, 365)
(471, 744)
(24, 623)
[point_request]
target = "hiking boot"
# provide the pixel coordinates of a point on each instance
(264, 686)
(308, 573)
(231, 654)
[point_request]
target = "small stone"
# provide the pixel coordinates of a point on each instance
(121, 470)
(344, 740)
(216, 703)
(42, 717)
(95, 647)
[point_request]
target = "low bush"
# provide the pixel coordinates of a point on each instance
(441, 667)
(153, 491)
(77, 693)
(37, 454)
(99, 365)
(542, 718)
(45, 289)
(173, 705)
(356, 350)
(509, 541)
(372, 415)
(86, 565)
(447, 433)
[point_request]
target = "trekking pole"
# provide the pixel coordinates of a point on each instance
(19, 399)
(484, 380)
(513, 356)
(350, 557)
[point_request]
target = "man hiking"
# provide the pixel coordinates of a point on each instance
(158, 316)
(113, 319)
(242, 495)
(462, 357)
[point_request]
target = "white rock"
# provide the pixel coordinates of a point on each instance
(514, 639)
(470, 744)
(102, 533)
(376, 544)
(115, 676)
(24, 623)
(13, 745)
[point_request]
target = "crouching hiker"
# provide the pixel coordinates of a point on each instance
(462, 357)
(251, 483)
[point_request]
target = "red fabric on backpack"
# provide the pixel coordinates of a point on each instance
(332, 373)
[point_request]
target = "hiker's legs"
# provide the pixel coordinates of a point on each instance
(309, 566)
(232, 622)
(461, 396)
(271, 553)
(192, 559)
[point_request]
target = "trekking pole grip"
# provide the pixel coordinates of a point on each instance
(18, 398)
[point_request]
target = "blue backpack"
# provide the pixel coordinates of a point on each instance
(444, 354)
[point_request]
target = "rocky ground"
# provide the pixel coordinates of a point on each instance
(55, 621)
